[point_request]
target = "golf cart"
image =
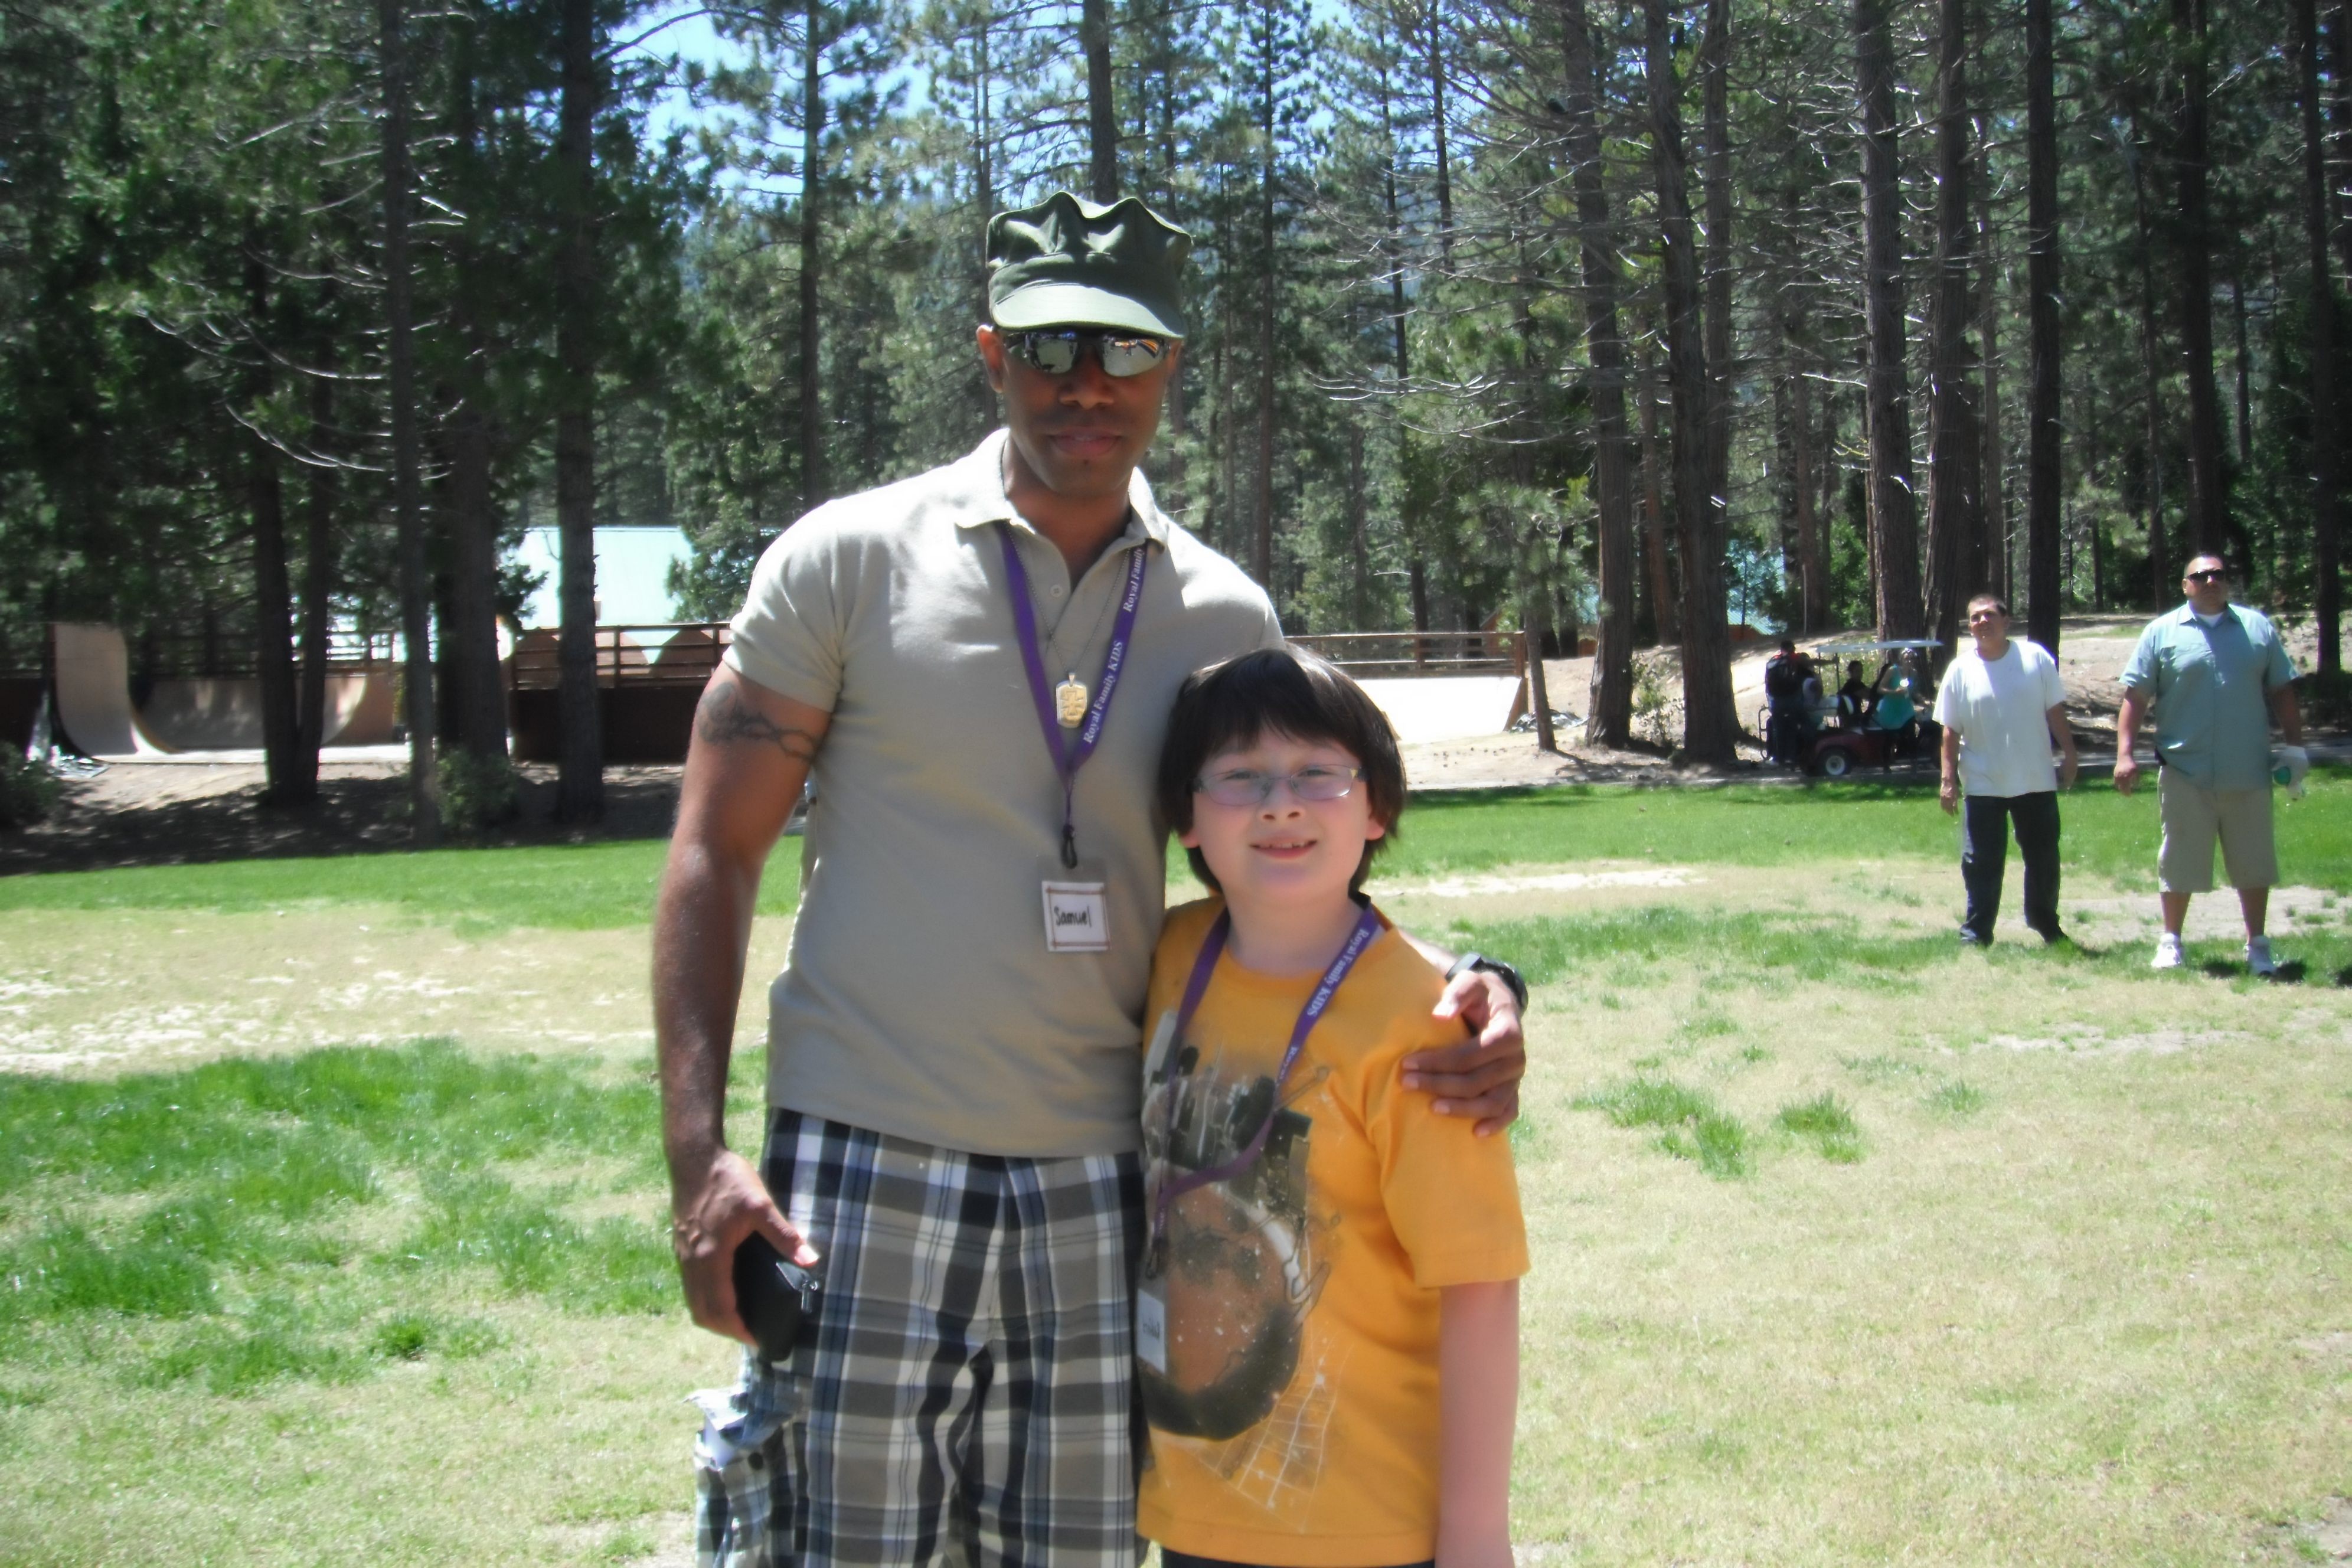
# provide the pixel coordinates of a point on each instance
(1890, 725)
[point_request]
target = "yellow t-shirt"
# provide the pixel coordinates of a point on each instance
(1294, 1421)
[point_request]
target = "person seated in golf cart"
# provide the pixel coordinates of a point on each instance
(1854, 697)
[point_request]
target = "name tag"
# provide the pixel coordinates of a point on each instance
(1151, 1325)
(1078, 918)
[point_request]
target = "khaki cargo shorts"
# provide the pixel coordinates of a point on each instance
(2194, 817)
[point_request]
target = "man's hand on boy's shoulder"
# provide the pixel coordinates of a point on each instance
(1479, 1077)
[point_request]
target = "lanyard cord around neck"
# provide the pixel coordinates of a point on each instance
(1369, 926)
(1070, 754)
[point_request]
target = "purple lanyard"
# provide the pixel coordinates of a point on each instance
(1070, 755)
(1369, 926)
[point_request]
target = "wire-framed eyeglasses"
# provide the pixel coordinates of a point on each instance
(1247, 787)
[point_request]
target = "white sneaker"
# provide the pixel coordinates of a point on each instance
(2258, 956)
(2167, 953)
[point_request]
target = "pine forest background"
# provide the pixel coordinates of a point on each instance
(1601, 321)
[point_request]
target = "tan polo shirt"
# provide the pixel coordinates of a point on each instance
(919, 998)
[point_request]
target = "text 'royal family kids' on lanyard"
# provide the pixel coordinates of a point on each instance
(1369, 927)
(1063, 707)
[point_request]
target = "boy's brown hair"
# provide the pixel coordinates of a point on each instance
(1281, 690)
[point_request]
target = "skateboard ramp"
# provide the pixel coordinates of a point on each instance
(94, 693)
(194, 714)
(1447, 707)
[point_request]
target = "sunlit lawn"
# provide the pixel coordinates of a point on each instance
(1851, 1246)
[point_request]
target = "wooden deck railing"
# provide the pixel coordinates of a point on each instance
(1420, 653)
(626, 656)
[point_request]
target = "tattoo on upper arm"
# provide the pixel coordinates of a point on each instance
(722, 718)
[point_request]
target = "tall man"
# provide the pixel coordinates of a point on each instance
(977, 664)
(2002, 707)
(2215, 675)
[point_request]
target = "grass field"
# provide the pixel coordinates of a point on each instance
(1852, 1247)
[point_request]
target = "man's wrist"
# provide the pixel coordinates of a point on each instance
(692, 1162)
(1509, 977)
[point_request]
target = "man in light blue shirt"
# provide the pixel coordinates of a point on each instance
(2214, 675)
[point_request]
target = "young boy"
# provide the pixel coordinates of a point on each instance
(1327, 1307)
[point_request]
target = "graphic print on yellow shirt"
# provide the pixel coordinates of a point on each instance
(1293, 1400)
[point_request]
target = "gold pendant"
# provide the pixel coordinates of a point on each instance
(1070, 702)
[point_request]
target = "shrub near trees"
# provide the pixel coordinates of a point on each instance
(1589, 318)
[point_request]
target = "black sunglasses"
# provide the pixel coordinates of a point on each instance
(2209, 577)
(1056, 350)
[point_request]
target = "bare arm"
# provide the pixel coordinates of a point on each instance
(744, 768)
(1947, 793)
(2288, 712)
(2135, 708)
(1478, 1401)
(2062, 733)
(1481, 1077)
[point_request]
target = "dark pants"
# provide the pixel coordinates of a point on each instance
(1985, 824)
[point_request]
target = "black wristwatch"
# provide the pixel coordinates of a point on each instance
(1510, 976)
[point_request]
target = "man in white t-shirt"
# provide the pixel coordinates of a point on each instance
(2002, 707)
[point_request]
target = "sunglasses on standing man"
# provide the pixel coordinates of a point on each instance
(1056, 350)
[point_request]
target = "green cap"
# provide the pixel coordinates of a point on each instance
(1066, 262)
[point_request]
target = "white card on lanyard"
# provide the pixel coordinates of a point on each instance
(1078, 917)
(1151, 1324)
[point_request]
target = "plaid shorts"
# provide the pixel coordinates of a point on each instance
(964, 1391)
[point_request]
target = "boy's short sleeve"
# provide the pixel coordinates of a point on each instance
(1451, 1196)
(789, 636)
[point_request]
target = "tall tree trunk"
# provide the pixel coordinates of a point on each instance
(2339, 114)
(1954, 435)
(1262, 477)
(400, 367)
(1102, 116)
(272, 592)
(273, 621)
(2044, 434)
(478, 700)
(1399, 314)
(2244, 424)
(479, 697)
(1538, 617)
(983, 160)
(1437, 129)
(2208, 500)
(1360, 544)
(1832, 471)
(2159, 565)
(1994, 489)
(1665, 600)
(580, 793)
(2326, 429)
(812, 255)
(1710, 722)
(1893, 525)
(317, 579)
(1610, 703)
(1811, 589)
(1715, 99)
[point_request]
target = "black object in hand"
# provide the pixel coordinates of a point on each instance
(772, 1294)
